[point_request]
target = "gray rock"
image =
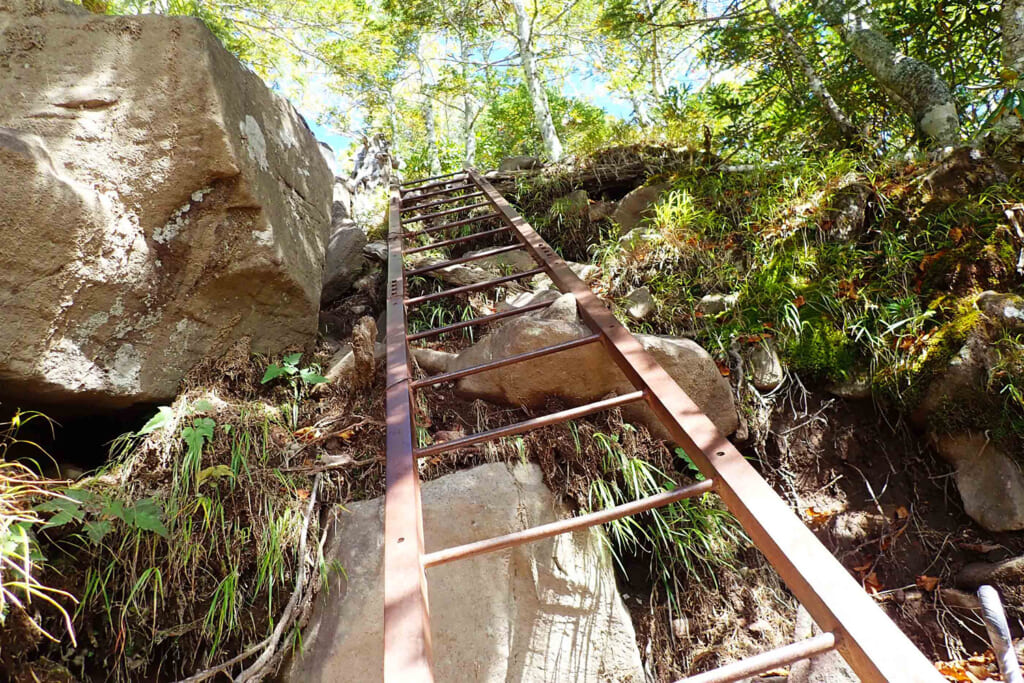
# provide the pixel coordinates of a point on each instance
(345, 261)
(584, 374)
(847, 209)
(152, 215)
(829, 667)
(1007, 576)
(575, 203)
(637, 205)
(641, 303)
(600, 211)
(856, 388)
(990, 482)
(962, 382)
(1005, 309)
(712, 304)
(544, 611)
(520, 163)
(377, 250)
(766, 371)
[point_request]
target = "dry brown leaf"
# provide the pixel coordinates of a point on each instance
(927, 583)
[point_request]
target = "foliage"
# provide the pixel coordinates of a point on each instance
(21, 561)
(298, 380)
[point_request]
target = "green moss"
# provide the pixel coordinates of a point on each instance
(822, 351)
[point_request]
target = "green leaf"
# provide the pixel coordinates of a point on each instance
(202, 406)
(63, 517)
(310, 377)
(158, 421)
(292, 359)
(148, 514)
(273, 372)
(215, 472)
(115, 508)
(696, 472)
(96, 530)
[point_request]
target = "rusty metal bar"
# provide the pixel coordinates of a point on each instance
(479, 321)
(473, 288)
(406, 185)
(439, 202)
(414, 200)
(564, 525)
(446, 212)
(454, 224)
(407, 649)
(465, 259)
(527, 425)
(502, 362)
(766, 661)
(871, 643)
(458, 240)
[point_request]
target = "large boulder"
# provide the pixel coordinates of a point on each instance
(583, 374)
(345, 261)
(545, 611)
(159, 204)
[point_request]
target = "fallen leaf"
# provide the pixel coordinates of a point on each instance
(927, 583)
(347, 434)
(871, 583)
(902, 512)
(956, 234)
(307, 434)
(799, 301)
(818, 517)
(723, 368)
(302, 494)
(847, 289)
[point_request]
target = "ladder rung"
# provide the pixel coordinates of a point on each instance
(464, 259)
(448, 226)
(415, 200)
(437, 331)
(766, 661)
(502, 362)
(527, 425)
(433, 177)
(473, 288)
(457, 240)
(439, 202)
(563, 526)
(438, 214)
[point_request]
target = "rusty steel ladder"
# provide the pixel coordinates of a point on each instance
(850, 620)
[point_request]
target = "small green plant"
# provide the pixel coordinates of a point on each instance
(97, 513)
(298, 379)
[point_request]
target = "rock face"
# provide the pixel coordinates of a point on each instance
(159, 204)
(580, 375)
(990, 483)
(546, 611)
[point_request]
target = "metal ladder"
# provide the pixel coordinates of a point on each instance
(851, 621)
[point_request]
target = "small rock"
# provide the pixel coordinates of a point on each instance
(637, 205)
(962, 382)
(600, 211)
(641, 303)
(855, 389)
(847, 210)
(829, 667)
(1005, 309)
(681, 628)
(766, 371)
(377, 250)
(574, 203)
(713, 304)
(990, 482)
(519, 163)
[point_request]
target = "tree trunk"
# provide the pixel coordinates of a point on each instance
(469, 108)
(846, 126)
(1013, 38)
(538, 96)
(915, 84)
(427, 107)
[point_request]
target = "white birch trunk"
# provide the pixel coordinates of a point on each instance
(427, 107)
(538, 96)
(916, 85)
(1013, 37)
(817, 87)
(469, 108)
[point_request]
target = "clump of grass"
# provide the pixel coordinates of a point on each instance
(21, 562)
